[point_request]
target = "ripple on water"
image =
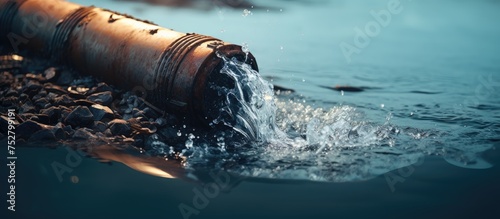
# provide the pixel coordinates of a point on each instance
(284, 138)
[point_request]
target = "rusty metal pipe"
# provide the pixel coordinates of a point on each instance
(172, 69)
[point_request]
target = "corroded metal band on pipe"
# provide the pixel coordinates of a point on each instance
(171, 60)
(7, 14)
(63, 30)
(172, 68)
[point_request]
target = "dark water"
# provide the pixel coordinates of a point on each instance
(432, 72)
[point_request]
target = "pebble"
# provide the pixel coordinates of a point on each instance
(120, 127)
(54, 88)
(27, 108)
(51, 74)
(101, 112)
(64, 100)
(43, 135)
(79, 117)
(53, 112)
(101, 87)
(104, 98)
(28, 128)
(99, 126)
(42, 103)
(83, 134)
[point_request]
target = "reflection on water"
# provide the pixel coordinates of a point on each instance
(133, 158)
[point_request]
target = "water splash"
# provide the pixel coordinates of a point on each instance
(284, 138)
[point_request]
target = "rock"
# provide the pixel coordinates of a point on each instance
(139, 140)
(9, 101)
(51, 74)
(4, 123)
(149, 113)
(142, 127)
(79, 117)
(101, 87)
(161, 122)
(11, 92)
(83, 134)
(42, 103)
(104, 98)
(27, 107)
(41, 118)
(35, 77)
(120, 127)
(32, 88)
(64, 100)
(53, 112)
(99, 126)
(58, 131)
(84, 102)
(6, 79)
(75, 94)
(43, 135)
(68, 130)
(101, 112)
(54, 89)
(28, 128)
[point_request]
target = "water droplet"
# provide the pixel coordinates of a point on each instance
(179, 133)
(246, 12)
(281, 9)
(382, 105)
(244, 48)
(342, 93)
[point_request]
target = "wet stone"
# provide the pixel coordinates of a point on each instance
(43, 135)
(101, 87)
(68, 130)
(104, 98)
(99, 126)
(27, 107)
(6, 79)
(42, 103)
(28, 128)
(79, 117)
(53, 112)
(83, 134)
(161, 122)
(120, 127)
(55, 89)
(84, 102)
(101, 112)
(41, 118)
(34, 77)
(51, 74)
(32, 87)
(64, 100)
(58, 131)
(9, 101)
(149, 113)
(11, 92)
